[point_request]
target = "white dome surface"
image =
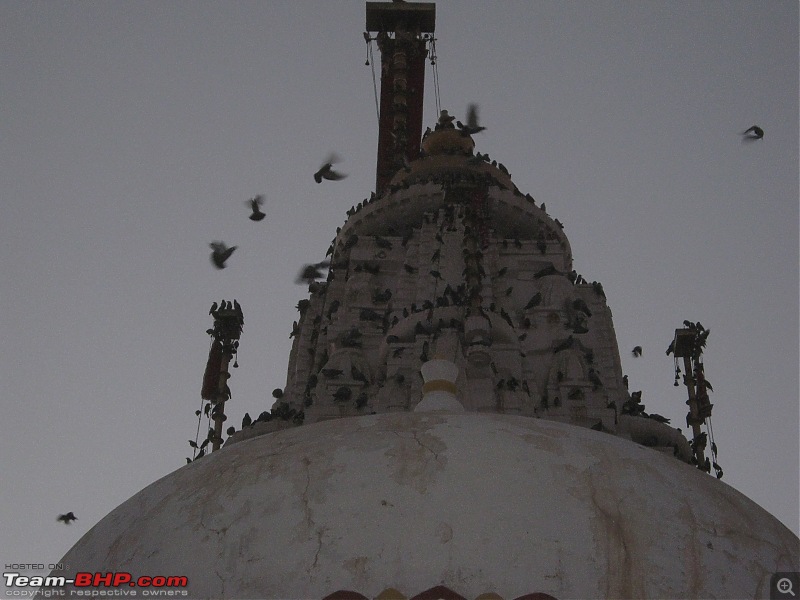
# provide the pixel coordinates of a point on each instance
(475, 502)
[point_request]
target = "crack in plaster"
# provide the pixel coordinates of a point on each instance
(412, 464)
(219, 532)
(431, 450)
(618, 547)
(222, 583)
(695, 568)
(304, 497)
(320, 532)
(308, 513)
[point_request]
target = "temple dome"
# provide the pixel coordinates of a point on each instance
(448, 141)
(479, 503)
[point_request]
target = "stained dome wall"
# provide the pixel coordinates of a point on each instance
(474, 502)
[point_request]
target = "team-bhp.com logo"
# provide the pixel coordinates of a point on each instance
(94, 584)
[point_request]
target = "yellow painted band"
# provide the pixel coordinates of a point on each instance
(439, 385)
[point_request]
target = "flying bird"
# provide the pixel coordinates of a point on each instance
(326, 171)
(255, 205)
(637, 351)
(471, 126)
(310, 273)
(754, 133)
(67, 518)
(220, 253)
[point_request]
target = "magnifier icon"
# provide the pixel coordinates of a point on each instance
(784, 586)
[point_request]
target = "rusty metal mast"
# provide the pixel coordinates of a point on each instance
(688, 344)
(402, 80)
(228, 322)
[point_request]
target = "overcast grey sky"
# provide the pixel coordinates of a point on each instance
(132, 132)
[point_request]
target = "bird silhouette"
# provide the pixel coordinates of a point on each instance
(637, 351)
(357, 375)
(754, 133)
(445, 119)
(326, 171)
(548, 270)
(67, 518)
(580, 304)
(343, 393)
(595, 379)
(471, 126)
(383, 243)
(659, 418)
(311, 272)
(247, 420)
(220, 253)
(255, 205)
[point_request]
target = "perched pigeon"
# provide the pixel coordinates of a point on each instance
(220, 253)
(445, 119)
(255, 205)
(754, 133)
(343, 393)
(534, 301)
(67, 518)
(326, 171)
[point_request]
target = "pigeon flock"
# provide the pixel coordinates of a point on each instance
(310, 273)
(221, 252)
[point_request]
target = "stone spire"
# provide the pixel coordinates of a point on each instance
(453, 261)
(449, 259)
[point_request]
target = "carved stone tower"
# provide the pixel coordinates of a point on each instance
(450, 260)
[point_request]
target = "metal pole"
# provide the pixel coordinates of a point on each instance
(693, 418)
(222, 395)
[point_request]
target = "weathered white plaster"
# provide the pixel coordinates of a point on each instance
(476, 502)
